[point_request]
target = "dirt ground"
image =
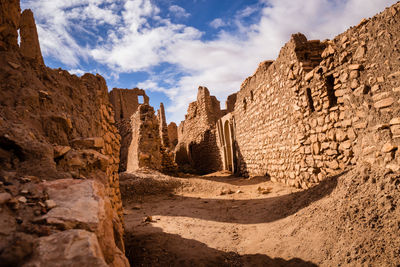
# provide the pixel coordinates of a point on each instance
(221, 220)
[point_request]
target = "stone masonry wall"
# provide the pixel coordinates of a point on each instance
(197, 143)
(321, 107)
(57, 135)
(145, 147)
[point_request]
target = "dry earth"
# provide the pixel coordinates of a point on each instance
(221, 220)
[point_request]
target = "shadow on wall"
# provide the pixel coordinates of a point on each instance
(199, 158)
(241, 165)
(162, 249)
(251, 211)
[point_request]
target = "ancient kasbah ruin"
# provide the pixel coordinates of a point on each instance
(301, 168)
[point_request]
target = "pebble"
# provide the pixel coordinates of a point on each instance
(4, 197)
(50, 204)
(22, 199)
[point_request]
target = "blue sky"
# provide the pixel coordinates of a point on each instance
(170, 47)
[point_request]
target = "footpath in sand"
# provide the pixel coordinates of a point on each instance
(221, 220)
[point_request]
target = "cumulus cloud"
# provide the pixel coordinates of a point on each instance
(217, 23)
(178, 11)
(139, 38)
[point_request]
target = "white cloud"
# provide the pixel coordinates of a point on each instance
(139, 38)
(217, 23)
(77, 72)
(178, 11)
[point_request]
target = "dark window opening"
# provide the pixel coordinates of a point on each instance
(244, 104)
(329, 82)
(251, 96)
(140, 99)
(310, 100)
(306, 56)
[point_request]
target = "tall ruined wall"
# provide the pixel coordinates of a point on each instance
(163, 126)
(144, 149)
(126, 102)
(197, 143)
(321, 107)
(57, 136)
(173, 134)
(265, 117)
(353, 108)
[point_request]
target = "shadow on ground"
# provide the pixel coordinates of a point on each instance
(247, 211)
(156, 248)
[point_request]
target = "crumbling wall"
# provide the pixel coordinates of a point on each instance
(322, 107)
(126, 102)
(56, 130)
(173, 134)
(145, 147)
(163, 126)
(197, 143)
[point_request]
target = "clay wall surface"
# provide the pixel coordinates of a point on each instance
(163, 126)
(144, 149)
(197, 142)
(56, 131)
(321, 107)
(173, 134)
(126, 102)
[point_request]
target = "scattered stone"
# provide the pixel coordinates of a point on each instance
(4, 198)
(388, 147)
(384, 103)
(22, 199)
(50, 204)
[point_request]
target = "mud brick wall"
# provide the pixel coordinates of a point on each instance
(197, 143)
(163, 126)
(173, 134)
(145, 146)
(53, 126)
(126, 102)
(322, 107)
(355, 96)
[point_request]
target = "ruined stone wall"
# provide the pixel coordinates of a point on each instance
(173, 134)
(56, 131)
(265, 114)
(323, 106)
(197, 143)
(145, 147)
(163, 126)
(352, 113)
(126, 102)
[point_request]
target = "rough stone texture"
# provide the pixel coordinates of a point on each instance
(68, 248)
(30, 47)
(173, 134)
(10, 13)
(317, 110)
(126, 102)
(145, 147)
(197, 142)
(163, 126)
(53, 125)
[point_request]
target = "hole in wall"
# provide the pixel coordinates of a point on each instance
(329, 83)
(251, 95)
(310, 101)
(244, 104)
(140, 99)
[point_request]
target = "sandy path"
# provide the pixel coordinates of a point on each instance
(259, 225)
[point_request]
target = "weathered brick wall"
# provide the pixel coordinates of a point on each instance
(311, 113)
(197, 144)
(163, 126)
(55, 127)
(126, 102)
(173, 134)
(145, 147)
